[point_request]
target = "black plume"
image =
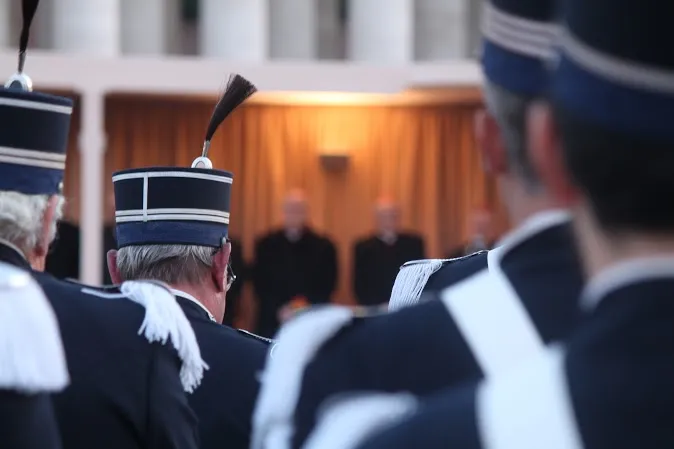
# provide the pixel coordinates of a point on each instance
(29, 7)
(238, 90)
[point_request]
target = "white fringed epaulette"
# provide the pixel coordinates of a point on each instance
(32, 358)
(347, 422)
(295, 346)
(410, 282)
(164, 320)
(412, 278)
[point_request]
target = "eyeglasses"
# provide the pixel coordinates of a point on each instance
(231, 276)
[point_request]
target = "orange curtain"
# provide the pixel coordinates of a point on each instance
(423, 156)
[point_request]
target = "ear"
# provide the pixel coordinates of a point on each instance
(47, 233)
(489, 143)
(112, 267)
(219, 268)
(546, 152)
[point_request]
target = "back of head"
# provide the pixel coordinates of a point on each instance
(614, 99)
(387, 213)
(518, 40)
(295, 210)
(33, 142)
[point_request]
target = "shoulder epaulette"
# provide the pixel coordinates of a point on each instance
(442, 261)
(255, 336)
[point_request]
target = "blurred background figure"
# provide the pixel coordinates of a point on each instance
(481, 234)
(63, 260)
(378, 257)
(234, 294)
(294, 267)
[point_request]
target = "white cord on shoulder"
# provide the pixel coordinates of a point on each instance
(164, 319)
(32, 358)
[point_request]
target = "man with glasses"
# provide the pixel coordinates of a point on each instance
(172, 226)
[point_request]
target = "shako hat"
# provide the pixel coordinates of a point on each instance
(34, 131)
(616, 69)
(180, 205)
(518, 40)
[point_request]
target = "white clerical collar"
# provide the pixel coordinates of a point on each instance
(12, 246)
(624, 273)
(533, 225)
(191, 298)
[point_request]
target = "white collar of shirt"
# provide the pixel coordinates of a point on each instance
(191, 298)
(12, 246)
(533, 225)
(623, 274)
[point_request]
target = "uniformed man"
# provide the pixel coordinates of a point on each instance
(129, 365)
(172, 225)
(610, 155)
(32, 363)
(499, 314)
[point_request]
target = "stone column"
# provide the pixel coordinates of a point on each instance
(87, 26)
(234, 29)
(381, 31)
(92, 144)
(8, 38)
(293, 29)
(442, 29)
(147, 26)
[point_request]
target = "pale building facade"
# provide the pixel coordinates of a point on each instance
(364, 31)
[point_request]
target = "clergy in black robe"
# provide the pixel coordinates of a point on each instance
(234, 294)
(294, 264)
(377, 259)
(63, 260)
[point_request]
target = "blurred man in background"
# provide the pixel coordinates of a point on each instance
(377, 258)
(63, 260)
(481, 235)
(294, 267)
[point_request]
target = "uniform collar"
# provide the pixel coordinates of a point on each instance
(623, 274)
(194, 300)
(533, 225)
(11, 254)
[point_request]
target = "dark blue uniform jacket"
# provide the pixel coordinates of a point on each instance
(610, 387)
(124, 392)
(224, 402)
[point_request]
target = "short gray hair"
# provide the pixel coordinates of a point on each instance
(510, 111)
(172, 264)
(21, 219)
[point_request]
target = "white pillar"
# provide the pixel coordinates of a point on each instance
(293, 29)
(147, 26)
(234, 29)
(381, 31)
(331, 33)
(7, 40)
(87, 26)
(92, 143)
(442, 29)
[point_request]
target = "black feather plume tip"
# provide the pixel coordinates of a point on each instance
(238, 90)
(29, 7)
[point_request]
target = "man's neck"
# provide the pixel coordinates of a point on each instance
(522, 203)
(205, 298)
(601, 250)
